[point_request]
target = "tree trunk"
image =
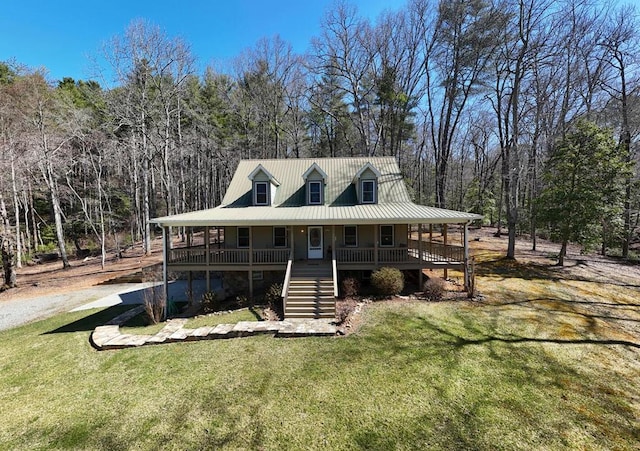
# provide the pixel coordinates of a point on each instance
(563, 252)
(16, 206)
(57, 214)
(7, 248)
(8, 262)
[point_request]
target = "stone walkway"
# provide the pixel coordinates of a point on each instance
(109, 336)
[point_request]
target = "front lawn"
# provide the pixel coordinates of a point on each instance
(530, 367)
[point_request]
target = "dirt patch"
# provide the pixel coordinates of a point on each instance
(49, 278)
(487, 247)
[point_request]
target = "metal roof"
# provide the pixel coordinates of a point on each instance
(339, 189)
(394, 205)
(398, 213)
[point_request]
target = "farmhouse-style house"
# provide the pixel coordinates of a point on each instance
(307, 222)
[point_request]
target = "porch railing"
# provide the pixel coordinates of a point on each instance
(354, 254)
(198, 256)
(431, 252)
(437, 252)
(267, 256)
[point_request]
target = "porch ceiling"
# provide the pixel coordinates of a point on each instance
(390, 213)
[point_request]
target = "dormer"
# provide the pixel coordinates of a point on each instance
(366, 181)
(263, 187)
(314, 179)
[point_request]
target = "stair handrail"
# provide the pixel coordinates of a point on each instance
(334, 264)
(287, 279)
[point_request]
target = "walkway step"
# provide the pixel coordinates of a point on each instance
(109, 336)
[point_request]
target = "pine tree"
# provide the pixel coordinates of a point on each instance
(584, 186)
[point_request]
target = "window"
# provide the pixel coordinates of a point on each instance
(261, 193)
(243, 236)
(257, 275)
(351, 236)
(315, 193)
(386, 235)
(279, 237)
(368, 191)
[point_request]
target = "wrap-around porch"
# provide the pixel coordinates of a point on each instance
(409, 247)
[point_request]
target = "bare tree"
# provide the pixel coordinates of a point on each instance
(151, 68)
(341, 52)
(47, 137)
(461, 46)
(621, 43)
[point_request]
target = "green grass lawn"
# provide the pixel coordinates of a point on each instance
(521, 373)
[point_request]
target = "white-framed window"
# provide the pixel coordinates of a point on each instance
(368, 191)
(351, 236)
(279, 237)
(386, 235)
(315, 192)
(243, 236)
(261, 193)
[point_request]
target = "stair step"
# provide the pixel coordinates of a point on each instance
(311, 292)
(309, 289)
(302, 315)
(311, 280)
(330, 301)
(306, 307)
(309, 310)
(305, 303)
(312, 273)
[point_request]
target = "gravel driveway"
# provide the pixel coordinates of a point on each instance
(17, 312)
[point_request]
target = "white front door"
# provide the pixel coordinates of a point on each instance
(314, 239)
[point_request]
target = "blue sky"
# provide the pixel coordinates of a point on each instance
(61, 36)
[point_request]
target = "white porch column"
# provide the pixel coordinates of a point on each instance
(207, 257)
(251, 262)
(375, 244)
(292, 239)
(444, 233)
(466, 255)
(334, 260)
(166, 246)
(421, 257)
(431, 239)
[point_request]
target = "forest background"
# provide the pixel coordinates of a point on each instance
(486, 105)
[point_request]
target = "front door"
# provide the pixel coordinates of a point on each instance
(314, 234)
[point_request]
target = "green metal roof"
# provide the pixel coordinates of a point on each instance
(339, 189)
(289, 205)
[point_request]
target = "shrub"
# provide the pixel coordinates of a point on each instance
(154, 301)
(350, 286)
(344, 309)
(433, 289)
(387, 281)
(243, 301)
(210, 302)
(273, 297)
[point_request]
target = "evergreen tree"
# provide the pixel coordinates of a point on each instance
(584, 186)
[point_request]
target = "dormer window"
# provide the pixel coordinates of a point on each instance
(264, 186)
(315, 193)
(368, 190)
(261, 193)
(315, 179)
(366, 182)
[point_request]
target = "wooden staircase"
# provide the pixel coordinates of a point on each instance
(311, 291)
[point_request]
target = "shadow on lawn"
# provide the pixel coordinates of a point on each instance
(457, 340)
(508, 268)
(89, 323)
(464, 351)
